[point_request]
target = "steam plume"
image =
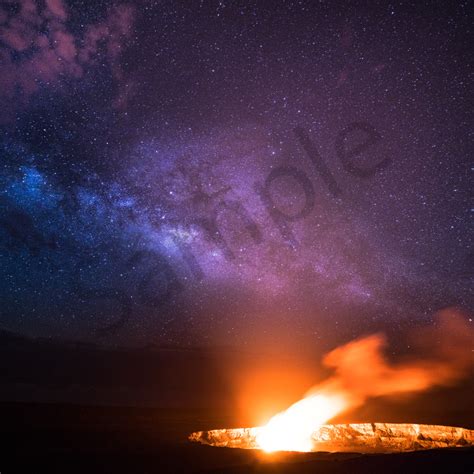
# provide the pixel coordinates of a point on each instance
(362, 371)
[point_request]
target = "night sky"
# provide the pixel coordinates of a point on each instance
(233, 173)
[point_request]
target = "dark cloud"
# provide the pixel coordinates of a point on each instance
(39, 49)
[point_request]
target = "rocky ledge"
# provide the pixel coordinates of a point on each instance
(354, 437)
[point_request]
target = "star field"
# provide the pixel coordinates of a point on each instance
(211, 172)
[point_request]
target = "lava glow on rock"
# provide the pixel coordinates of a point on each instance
(356, 437)
(361, 372)
(300, 428)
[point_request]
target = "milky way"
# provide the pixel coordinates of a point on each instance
(208, 173)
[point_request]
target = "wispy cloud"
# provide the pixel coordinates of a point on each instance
(38, 47)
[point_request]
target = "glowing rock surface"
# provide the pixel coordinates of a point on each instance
(357, 437)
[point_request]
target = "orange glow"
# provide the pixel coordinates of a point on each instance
(268, 388)
(359, 371)
(292, 429)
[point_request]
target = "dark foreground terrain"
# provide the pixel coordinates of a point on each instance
(69, 439)
(83, 409)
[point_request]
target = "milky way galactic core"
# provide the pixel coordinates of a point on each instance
(218, 172)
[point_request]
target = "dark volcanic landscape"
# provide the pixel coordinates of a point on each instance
(86, 409)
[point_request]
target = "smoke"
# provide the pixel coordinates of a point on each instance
(362, 371)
